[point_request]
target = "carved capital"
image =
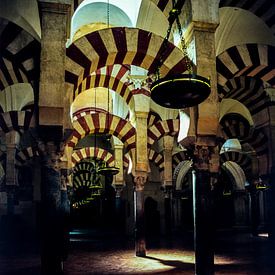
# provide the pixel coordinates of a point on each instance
(51, 154)
(206, 158)
(140, 182)
(118, 188)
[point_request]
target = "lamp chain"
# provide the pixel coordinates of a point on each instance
(174, 15)
(108, 13)
(184, 47)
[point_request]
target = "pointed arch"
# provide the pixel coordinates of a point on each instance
(113, 77)
(156, 158)
(23, 156)
(103, 123)
(120, 46)
(93, 152)
(19, 121)
(162, 128)
(250, 60)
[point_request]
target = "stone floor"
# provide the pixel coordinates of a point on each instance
(108, 254)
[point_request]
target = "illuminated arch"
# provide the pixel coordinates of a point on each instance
(163, 128)
(97, 123)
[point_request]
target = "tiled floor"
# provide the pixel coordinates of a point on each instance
(235, 254)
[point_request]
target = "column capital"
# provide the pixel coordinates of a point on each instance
(168, 143)
(206, 157)
(118, 188)
(139, 181)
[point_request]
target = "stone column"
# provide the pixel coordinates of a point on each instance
(119, 178)
(140, 245)
(168, 143)
(141, 142)
(240, 208)
(54, 29)
(119, 184)
(204, 179)
(54, 207)
(200, 41)
(254, 208)
(142, 104)
(262, 210)
(11, 173)
(271, 189)
(142, 107)
(120, 214)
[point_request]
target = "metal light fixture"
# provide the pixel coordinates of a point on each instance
(181, 90)
(108, 170)
(87, 184)
(260, 185)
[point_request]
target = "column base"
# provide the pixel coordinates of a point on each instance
(140, 248)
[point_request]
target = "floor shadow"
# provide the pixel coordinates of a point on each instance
(177, 265)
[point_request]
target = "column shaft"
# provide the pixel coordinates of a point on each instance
(140, 244)
(203, 223)
(54, 16)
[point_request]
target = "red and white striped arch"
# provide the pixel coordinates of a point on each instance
(261, 144)
(114, 77)
(23, 156)
(120, 46)
(179, 157)
(163, 128)
(164, 5)
(250, 60)
(19, 121)
(104, 123)
(153, 118)
(126, 161)
(19, 55)
(93, 152)
(242, 159)
(156, 158)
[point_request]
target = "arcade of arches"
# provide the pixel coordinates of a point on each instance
(83, 145)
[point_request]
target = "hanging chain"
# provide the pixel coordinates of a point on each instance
(108, 13)
(184, 47)
(108, 73)
(174, 13)
(163, 47)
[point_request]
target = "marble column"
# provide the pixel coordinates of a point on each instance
(205, 176)
(141, 163)
(11, 172)
(254, 208)
(54, 209)
(119, 184)
(54, 33)
(271, 189)
(239, 197)
(119, 177)
(200, 42)
(119, 211)
(168, 143)
(140, 245)
(140, 170)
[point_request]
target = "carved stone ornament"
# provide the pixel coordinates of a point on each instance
(139, 182)
(206, 158)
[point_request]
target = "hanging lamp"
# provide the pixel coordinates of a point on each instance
(108, 170)
(180, 90)
(105, 169)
